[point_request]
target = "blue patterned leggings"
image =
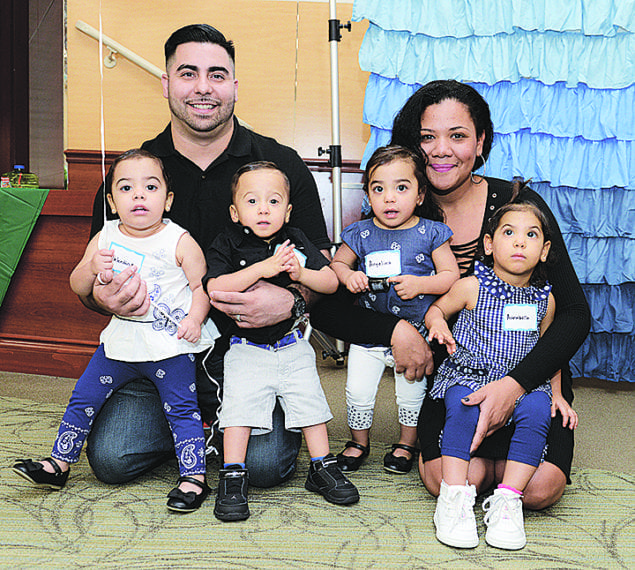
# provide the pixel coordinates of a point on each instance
(531, 417)
(175, 380)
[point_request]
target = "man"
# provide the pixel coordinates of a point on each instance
(201, 149)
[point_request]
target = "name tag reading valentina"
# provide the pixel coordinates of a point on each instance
(383, 263)
(125, 257)
(520, 318)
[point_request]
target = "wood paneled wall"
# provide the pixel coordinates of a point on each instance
(282, 65)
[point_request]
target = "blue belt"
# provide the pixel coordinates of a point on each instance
(287, 340)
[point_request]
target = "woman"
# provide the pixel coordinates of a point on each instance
(449, 122)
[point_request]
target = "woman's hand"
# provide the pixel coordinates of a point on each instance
(412, 354)
(261, 305)
(496, 400)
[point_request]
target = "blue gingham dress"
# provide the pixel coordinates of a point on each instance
(485, 352)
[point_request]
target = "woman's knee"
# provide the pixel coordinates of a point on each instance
(431, 475)
(481, 473)
(545, 487)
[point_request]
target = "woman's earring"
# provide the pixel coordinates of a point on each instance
(482, 175)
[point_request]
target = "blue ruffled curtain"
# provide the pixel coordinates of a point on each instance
(560, 81)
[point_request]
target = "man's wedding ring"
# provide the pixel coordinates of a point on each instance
(238, 319)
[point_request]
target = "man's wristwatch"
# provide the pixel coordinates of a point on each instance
(299, 304)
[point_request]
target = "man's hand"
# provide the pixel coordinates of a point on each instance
(126, 295)
(413, 356)
(263, 304)
(496, 400)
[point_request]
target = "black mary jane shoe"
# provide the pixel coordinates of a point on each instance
(34, 472)
(182, 502)
(399, 464)
(348, 462)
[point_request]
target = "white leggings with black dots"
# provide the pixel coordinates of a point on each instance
(365, 369)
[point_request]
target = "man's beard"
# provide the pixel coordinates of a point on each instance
(224, 114)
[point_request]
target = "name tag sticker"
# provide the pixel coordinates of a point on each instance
(520, 318)
(383, 263)
(301, 257)
(125, 257)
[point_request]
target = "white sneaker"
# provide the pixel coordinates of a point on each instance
(504, 520)
(454, 516)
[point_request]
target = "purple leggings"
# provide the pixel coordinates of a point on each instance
(531, 417)
(175, 381)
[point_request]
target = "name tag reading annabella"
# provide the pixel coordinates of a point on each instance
(383, 263)
(125, 257)
(520, 317)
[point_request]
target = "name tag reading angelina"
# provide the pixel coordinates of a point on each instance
(125, 257)
(520, 318)
(383, 263)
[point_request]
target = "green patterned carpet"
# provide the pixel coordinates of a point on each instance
(92, 525)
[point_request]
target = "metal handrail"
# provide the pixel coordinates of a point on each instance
(117, 48)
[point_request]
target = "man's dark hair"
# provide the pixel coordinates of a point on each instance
(201, 34)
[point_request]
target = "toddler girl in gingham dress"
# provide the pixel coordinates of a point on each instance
(504, 309)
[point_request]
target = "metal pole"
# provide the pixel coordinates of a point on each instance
(336, 149)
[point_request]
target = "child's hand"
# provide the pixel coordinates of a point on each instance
(406, 286)
(357, 282)
(279, 261)
(294, 268)
(101, 265)
(441, 333)
(569, 416)
(189, 329)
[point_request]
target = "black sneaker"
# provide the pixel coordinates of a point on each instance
(231, 500)
(325, 477)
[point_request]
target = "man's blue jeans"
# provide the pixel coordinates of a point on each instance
(130, 437)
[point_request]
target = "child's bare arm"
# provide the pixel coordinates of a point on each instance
(245, 278)
(446, 274)
(93, 262)
(191, 259)
(548, 318)
(463, 294)
(343, 263)
(321, 280)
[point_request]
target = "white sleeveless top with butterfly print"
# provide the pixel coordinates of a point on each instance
(152, 337)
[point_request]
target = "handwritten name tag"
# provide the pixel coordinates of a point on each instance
(383, 263)
(125, 257)
(520, 318)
